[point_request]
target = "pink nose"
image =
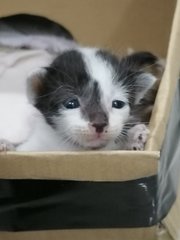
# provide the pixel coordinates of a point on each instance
(99, 127)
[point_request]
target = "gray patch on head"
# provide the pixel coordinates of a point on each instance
(93, 110)
(65, 78)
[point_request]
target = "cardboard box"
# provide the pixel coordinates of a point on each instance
(115, 24)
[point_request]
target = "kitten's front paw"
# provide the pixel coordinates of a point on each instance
(6, 146)
(137, 136)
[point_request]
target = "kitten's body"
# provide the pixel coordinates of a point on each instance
(83, 100)
(17, 115)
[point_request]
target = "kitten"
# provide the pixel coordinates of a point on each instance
(87, 98)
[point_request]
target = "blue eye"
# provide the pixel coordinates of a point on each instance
(71, 104)
(118, 104)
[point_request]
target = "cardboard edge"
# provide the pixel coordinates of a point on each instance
(148, 233)
(83, 166)
(167, 87)
(171, 221)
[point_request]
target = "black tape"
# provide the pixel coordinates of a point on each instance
(55, 204)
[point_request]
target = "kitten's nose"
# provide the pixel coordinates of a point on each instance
(99, 127)
(99, 121)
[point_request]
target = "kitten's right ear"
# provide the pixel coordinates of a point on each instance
(35, 84)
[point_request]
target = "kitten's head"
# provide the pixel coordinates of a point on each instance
(87, 95)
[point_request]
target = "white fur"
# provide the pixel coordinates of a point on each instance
(44, 138)
(51, 43)
(103, 73)
(17, 115)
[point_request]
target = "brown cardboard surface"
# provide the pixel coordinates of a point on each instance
(172, 221)
(167, 87)
(97, 166)
(115, 24)
(92, 234)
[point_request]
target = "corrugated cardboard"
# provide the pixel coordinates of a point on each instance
(167, 88)
(97, 166)
(104, 234)
(172, 222)
(117, 25)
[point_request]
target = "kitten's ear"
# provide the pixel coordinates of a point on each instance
(144, 82)
(146, 62)
(150, 69)
(35, 84)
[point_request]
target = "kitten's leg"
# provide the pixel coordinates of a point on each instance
(6, 146)
(137, 137)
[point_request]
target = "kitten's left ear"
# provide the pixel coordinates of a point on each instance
(35, 84)
(144, 82)
(150, 69)
(146, 62)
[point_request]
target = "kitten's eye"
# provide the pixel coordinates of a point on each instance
(118, 104)
(71, 104)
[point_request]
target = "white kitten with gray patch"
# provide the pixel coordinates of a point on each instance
(85, 98)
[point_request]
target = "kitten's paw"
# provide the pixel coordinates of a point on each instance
(137, 136)
(6, 146)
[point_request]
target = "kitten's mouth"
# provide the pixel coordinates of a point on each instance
(96, 141)
(96, 137)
